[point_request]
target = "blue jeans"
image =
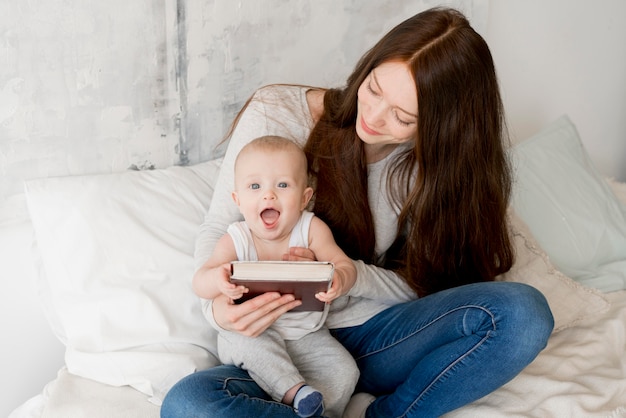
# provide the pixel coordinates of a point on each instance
(422, 358)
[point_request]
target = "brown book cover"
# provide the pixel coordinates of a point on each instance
(303, 279)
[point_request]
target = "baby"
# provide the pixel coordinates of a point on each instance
(272, 192)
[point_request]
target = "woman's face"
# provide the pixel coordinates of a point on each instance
(387, 105)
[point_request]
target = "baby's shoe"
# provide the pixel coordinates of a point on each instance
(308, 402)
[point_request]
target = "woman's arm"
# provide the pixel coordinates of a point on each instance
(371, 282)
(380, 284)
(223, 210)
(275, 110)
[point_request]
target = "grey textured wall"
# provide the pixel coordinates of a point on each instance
(235, 47)
(88, 86)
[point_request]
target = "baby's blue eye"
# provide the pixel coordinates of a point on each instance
(254, 186)
(282, 185)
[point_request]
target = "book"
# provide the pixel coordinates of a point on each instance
(303, 279)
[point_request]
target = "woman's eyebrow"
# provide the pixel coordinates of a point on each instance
(382, 92)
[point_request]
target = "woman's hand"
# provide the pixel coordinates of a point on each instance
(299, 254)
(254, 316)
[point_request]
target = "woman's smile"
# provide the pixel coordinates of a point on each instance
(367, 129)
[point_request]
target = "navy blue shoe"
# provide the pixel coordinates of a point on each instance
(308, 402)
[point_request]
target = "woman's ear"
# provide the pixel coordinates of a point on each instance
(306, 197)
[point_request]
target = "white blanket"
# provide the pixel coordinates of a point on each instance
(582, 373)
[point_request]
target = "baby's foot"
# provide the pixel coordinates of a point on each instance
(308, 402)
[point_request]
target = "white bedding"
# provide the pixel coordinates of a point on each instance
(582, 373)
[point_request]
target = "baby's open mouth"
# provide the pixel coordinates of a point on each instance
(270, 216)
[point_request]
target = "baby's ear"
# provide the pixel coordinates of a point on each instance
(306, 197)
(235, 197)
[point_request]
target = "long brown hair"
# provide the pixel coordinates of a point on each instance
(452, 227)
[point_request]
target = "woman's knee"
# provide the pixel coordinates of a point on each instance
(183, 398)
(529, 319)
(513, 316)
(507, 305)
(198, 394)
(533, 308)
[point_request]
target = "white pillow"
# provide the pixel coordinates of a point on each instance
(569, 301)
(117, 253)
(570, 208)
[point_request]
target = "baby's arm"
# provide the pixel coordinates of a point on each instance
(325, 248)
(213, 278)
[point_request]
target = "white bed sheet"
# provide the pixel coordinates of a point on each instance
(582, 373)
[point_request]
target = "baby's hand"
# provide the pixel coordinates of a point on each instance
(327, 296)
(340, 286)
(227, 288)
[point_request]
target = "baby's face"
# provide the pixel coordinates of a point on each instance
(271, 191)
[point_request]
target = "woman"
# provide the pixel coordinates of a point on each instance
(411, 176)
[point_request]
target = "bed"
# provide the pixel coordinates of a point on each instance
(115, 256)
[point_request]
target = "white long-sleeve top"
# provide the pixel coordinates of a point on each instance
(283, 110)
